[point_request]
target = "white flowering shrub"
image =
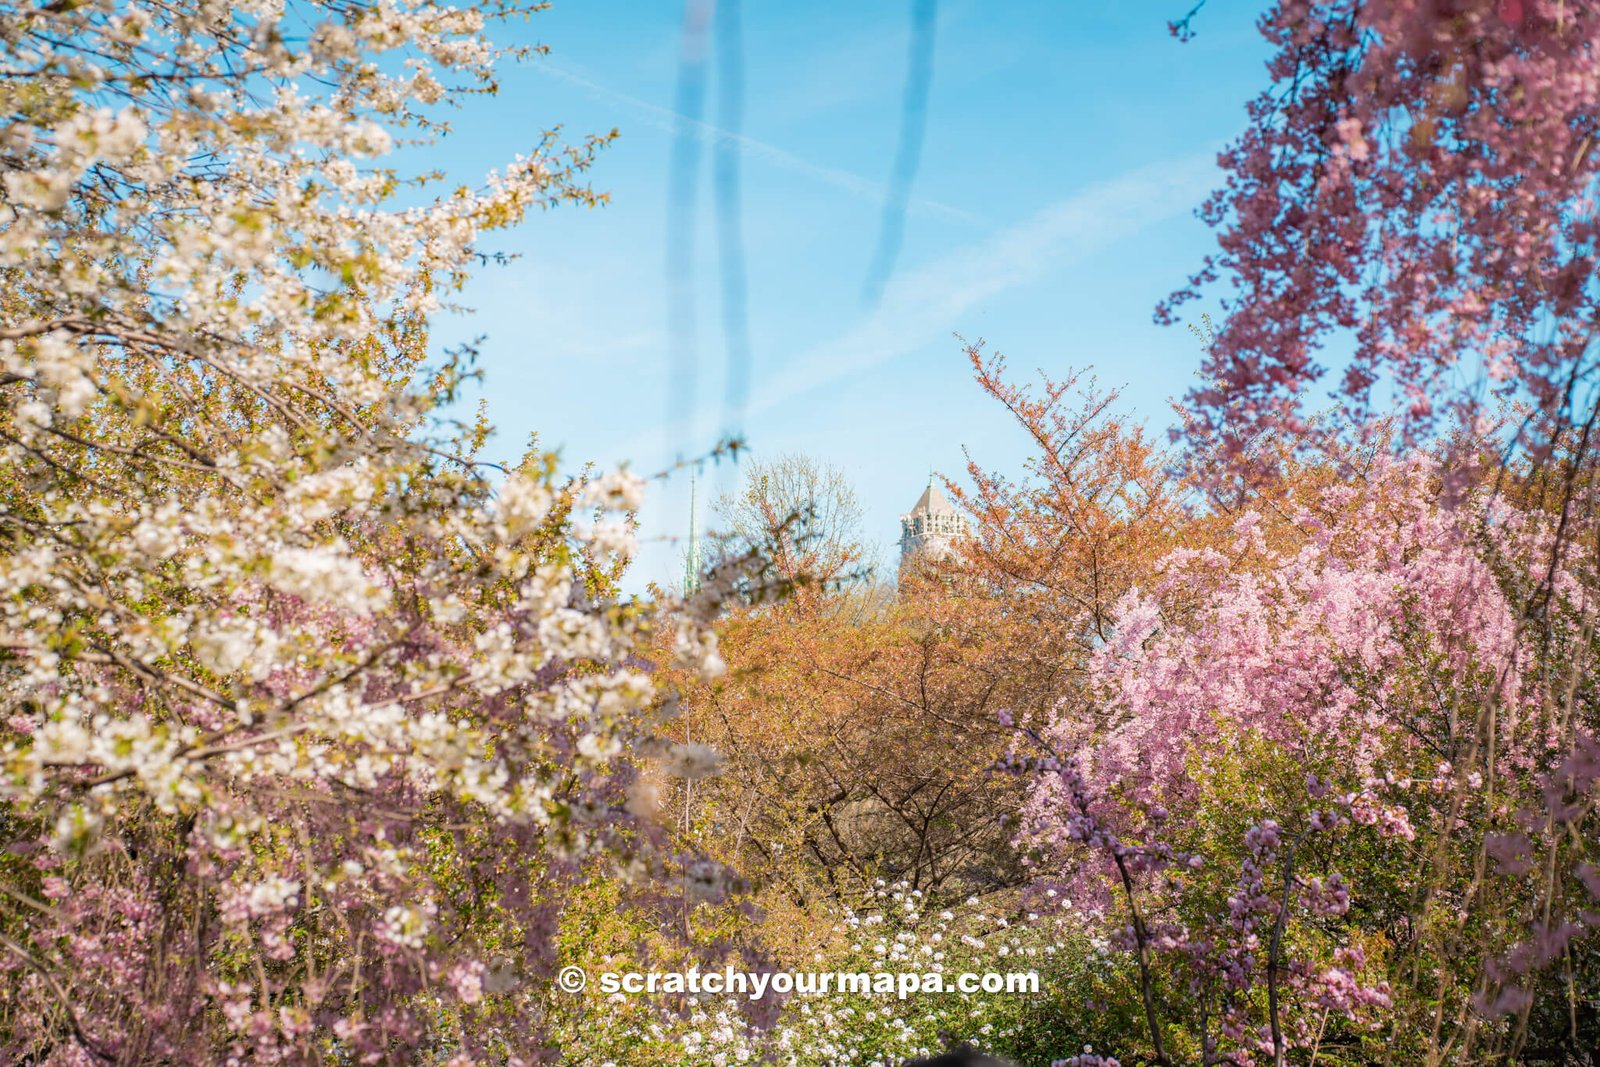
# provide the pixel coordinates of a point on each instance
(896, 931)
(308, 712)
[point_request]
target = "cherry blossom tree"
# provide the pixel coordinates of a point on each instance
(308, 709)
(1412, 201)
(1323, 750)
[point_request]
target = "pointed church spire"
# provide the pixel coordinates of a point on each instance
(931, 526)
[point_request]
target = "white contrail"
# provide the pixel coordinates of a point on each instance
(925, 305)
(669, 121)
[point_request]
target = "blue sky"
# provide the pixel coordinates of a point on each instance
(1067, 145)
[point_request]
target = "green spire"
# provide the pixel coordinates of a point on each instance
(691, 563)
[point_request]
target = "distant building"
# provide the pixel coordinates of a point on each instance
(929, 530)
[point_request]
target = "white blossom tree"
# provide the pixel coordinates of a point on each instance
(305, 707)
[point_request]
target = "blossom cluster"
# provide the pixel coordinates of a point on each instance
(1416, 182)
(1265, 744)
(308, 710)
(897, 929)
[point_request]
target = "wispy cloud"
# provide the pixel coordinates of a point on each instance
(669, 121)
(925, 304)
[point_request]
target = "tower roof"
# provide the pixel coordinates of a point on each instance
(933, 502)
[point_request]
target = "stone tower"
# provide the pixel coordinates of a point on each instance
(930, 527)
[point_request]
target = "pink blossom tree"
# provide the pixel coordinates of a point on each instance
(1414, 191)
(1322, 755)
